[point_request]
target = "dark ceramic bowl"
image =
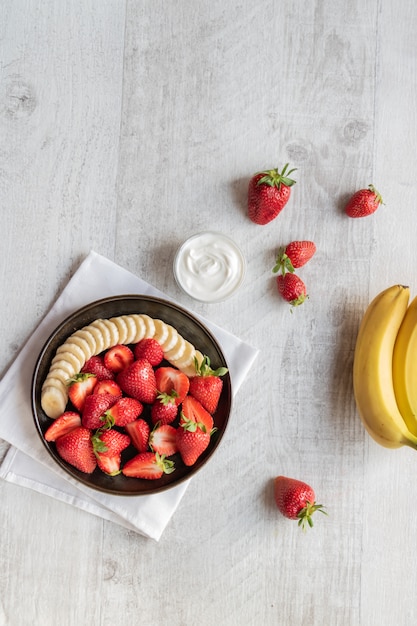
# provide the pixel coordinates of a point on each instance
(192, 330)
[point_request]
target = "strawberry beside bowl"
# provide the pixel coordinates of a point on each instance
(192, 331)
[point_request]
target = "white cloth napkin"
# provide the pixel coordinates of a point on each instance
(27, 463)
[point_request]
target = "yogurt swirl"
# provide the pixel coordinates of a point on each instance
(209, 267)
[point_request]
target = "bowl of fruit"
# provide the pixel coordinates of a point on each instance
(131, 395)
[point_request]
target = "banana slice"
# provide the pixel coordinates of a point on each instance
(68, 355)
(114, 332)
(161, 331)
(60, 374)
(131, 328)
(83, 344)
(64, 365)
(85, 334)
(177, 350)
(53, 401)
(101, 326)
(150, 326)
(171, 338)
(121, 327)
(186, 359)
(97, 336)
(140, 327)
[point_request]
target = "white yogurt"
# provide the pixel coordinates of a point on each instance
(209, 267)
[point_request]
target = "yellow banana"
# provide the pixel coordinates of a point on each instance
(404, 367)
(372, 369)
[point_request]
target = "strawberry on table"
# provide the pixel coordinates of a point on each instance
(149, 349)
(292, 288)
(76, 448)
(268, 193)
(296, 500)
(169, 380)
(123, 411)
(207, 385)
(165, 408)
(79, 387)
(95, 408)
(192, 440)
(95, 365)
(364, 202)
(118, 358)
(139, 432)
(148, 465)
(294, 255)
(69, 420)
(163, 439)
(138, 381)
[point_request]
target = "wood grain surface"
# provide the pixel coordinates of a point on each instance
(127, 126)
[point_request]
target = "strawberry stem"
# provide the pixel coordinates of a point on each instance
(274, 178)
(305, 515)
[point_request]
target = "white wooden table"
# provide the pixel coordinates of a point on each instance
(127, 126)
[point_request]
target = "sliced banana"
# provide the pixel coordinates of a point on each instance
(53, 401)
(140, 327)
(161, 331)
(103, 334)
(121, 327)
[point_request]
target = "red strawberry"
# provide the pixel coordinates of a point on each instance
(194, 411)
(118, 358)
(268, 193)
(192, 440)
(149, 349)
(148, 465)
(95, 407)
(95, 365)
(138, 381)
(169, 380)
(62, 425)
(81, 386)
(296, 500)
(139, 432)
(294, 255)
(108, 386)
(364, 202)
(292, 289)
(108, 446)
(163, 439)
(164, 409)
(124, 411)
(207, 386)
(76, 449)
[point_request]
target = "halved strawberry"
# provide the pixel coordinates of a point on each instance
(139, 432)
(108, 446)
(118, 358)
(169, 380)
(108, 386)
(138, 381)
(95, 365)
(79, 387)
(124, 411)
(207, 385)
(63, 425)
(164, 409)
(95, 408)
(148, 465)
(193, 410)
(149, 349)
(76, 448)
(163, 439)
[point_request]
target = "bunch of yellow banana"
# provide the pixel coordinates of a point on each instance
(385, 368)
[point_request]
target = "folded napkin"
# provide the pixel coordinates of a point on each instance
(27, 463)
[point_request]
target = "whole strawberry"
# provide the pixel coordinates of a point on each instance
(138, 381)
(364, 202)
(268, 193)
(207, 385)
(296, 500)
(294, 255)
(292, 288)
(76, 448)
